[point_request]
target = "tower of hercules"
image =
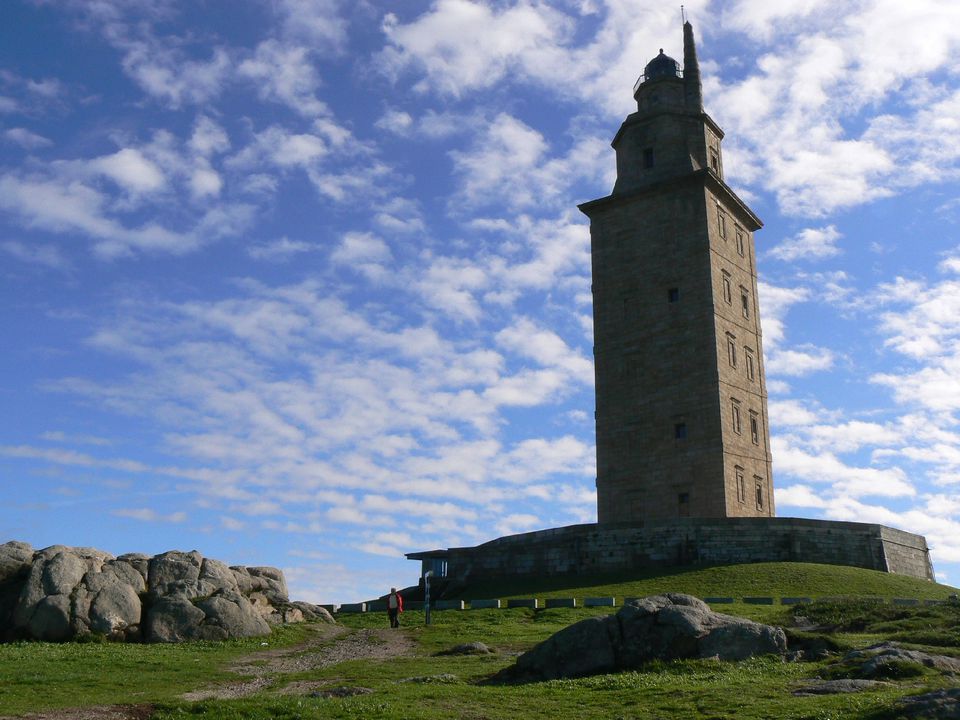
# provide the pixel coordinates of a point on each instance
(681, 401)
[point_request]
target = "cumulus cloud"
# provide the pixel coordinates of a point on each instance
(26, 139)
(808, 244)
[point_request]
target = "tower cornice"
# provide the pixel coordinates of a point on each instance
(706, 177)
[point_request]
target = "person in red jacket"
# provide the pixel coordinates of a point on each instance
(394, 607)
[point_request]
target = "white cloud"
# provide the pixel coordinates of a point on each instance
(284, 74)
(316, 22)
(35, 254)
(130, 170)
(810, 243)
(150, 515)
(280, 250)
(26, 139)
(798, 362)
(463, 45)
(802, 496)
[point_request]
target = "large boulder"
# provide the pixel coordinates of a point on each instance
(108, 602)
(15, 561)
(664, 627)
(44, 608)
(60, 593)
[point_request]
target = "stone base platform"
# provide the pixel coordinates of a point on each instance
(618, 547)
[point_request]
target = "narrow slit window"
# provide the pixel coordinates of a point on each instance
(673, 295)
(741, 486)
(741, 244)
(680, 431)
(744, 302)
(721, 223)
(735, 415)
(758, 481)
(648, 157)
(748, 361)
(727, 291)
(731, 350)
(754, 428)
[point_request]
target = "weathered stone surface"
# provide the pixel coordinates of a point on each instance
(937, 705)
(836, 687)
(174, 573)
(470, 648)
(230, 615)
(889, 660)
(667, 627)
(173, 619)
(270, 582)
(216, 576)
(15, 559)
(60, 592)
(313, 612)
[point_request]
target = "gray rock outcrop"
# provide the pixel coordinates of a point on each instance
(60, 593)
(666, 627)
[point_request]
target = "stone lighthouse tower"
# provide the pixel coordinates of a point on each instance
(681, 402)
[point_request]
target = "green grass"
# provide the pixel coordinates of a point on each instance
(738, 581)
(40, 676)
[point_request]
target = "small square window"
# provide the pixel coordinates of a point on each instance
(680, 431)
(673, 295)
(648, 157)
(683, 498)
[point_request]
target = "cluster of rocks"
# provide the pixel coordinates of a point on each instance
(62, 593)
(666, 627)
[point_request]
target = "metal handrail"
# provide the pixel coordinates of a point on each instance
(643, 78)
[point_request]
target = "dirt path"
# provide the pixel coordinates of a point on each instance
(331, 645)
(327, 645)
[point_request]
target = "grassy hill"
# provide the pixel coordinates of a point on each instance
(755, 579)
(419, 683)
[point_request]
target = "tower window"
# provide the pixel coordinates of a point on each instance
(715, 161)
(744, 302)
(741, 486)
(735, 415)
(754, 428)
(683, 504)
(740, 242)
(722, 223)
(759, 483)
(680, 431)
(648, 157)
(748, 355)
(673, 295)
(727, 292)
(731, 350)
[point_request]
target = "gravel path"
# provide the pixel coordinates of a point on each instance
(331, 645)
(327, 645)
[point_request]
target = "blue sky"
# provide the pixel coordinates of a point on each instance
(303, 283)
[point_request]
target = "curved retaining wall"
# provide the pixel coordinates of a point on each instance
(689, 541)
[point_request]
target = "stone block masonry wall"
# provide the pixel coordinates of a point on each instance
(694, 541)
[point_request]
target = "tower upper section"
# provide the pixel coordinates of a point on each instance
(670, 134)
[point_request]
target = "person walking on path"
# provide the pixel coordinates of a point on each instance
(394, 607)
